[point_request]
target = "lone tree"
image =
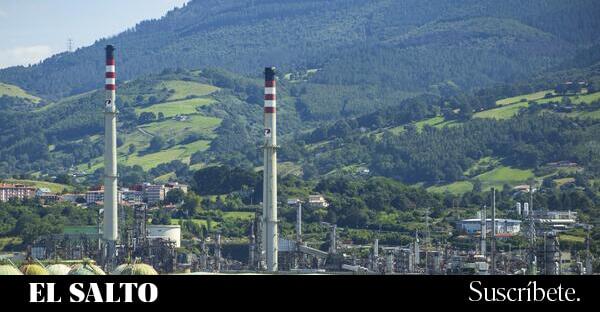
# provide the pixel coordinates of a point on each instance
(146, 117)
(156, 143)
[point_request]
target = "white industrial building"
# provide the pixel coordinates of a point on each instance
(504, 226)
(167, 232)
(558, 220)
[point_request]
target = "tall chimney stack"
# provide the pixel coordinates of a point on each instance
(270, 171)
(110, 155)
(483, 228)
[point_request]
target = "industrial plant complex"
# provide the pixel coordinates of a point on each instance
(145, 248)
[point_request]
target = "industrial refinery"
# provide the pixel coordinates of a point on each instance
(150, 249)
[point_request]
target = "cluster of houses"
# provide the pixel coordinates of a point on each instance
(148, 193)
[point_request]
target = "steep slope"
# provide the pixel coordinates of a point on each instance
(400, 44)
(69, 132)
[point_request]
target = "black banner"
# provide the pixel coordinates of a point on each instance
(297, 290)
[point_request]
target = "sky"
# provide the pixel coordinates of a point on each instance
(32, 30)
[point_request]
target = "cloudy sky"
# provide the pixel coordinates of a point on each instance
(32, 30)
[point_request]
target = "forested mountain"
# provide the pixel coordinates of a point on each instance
(412, 90)
(411, 45)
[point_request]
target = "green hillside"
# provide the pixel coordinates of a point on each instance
(402, 45)
(174, 108)
(186, 89)
(15, 91)
(182, 122)
(54, 187)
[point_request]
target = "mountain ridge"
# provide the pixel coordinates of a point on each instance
(243, 36)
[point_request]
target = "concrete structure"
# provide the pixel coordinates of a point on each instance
(94, 197)
(483, 230)
(167, 232)
(506, 226)
(128, 195)
(317, 201)
(42, 191)
(111, 232)
(558, 220)
(48, 198)
(18, 191)
(72, 198)
(269, 232)
(154, 193)
(176, 185)
(299, 222)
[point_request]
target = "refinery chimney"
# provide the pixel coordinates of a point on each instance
(483, 230)
(270, 171)
(110, 155)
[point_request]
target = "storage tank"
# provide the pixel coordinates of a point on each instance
(34, 269)
(119, 269)
(58, 269)
(167, 232)
(7, 269)
(86, 269)
(139, 269)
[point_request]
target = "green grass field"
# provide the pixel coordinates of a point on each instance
(54, 187)
(560, 182)
(504, 175)
(503, 112)
(165, 177)
(528, 97)
(575, 99)
(14, 91)
(437, 122)
(184, 89)
(178, 152)
(509, 107)
(200, 222)
(566, 238)
(178, 130)
(84, 229)
(149, 161)
(482, 165)
(459, 187)
(181, 107)
(493, 178)
(171, 130)
(583, 114)
(239, 215)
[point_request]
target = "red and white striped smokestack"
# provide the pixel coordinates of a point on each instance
(110, 154)
(110, 75)
(270, 236)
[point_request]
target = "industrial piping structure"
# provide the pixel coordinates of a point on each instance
(110, 157)
(270, 237)
(493, 249)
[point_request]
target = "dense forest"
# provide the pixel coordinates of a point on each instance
(401, 45)
(436, 155)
